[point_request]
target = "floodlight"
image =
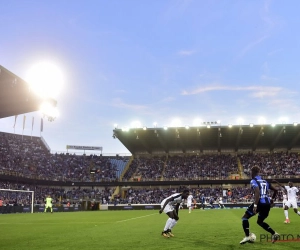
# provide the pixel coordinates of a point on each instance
(230, 125)
(295, 124)
(208, 126)
(136, 124)
(125, 129)
(283, 120)
(273, 125)
(197, 122)
(45, 79)
(251, 125)
(187, 127)
(50, 110)
(176, 123)
(144, 128)
(165, 128)
(261, 120)
(240, 121)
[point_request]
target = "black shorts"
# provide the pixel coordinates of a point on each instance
(262, 210)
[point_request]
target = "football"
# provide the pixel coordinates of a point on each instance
(252, 237)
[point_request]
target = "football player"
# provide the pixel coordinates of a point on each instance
(167, 207)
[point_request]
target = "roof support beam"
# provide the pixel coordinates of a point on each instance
(237, 143)
(258, 136)
(277, 138)
(162, 143)
(292, 144)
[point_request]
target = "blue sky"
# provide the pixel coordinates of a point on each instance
(154, 61)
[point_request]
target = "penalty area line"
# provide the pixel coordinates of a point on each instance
(136, 218)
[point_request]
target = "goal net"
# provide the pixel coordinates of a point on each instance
(16, 201)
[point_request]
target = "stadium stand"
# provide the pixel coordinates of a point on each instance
(203, 158)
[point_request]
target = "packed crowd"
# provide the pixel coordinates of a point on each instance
(192, 167)
(28, 157)
(200, 167)
(213, 167)
(275, 165)
(59, 194)
(155, 195)
(104, 195)
(145, 168)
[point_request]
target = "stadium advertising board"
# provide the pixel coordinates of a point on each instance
(84, 147)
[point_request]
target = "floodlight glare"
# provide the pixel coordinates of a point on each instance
(187, 127)
(125, 129)
(273, 125)
(230, 125)
(49, 110)
(165, 128)
(197, 122)
(144, 128)
(176, 123)
(240, 121)
(261, 120)
(251, 125)
(283, 120)
(295, 123)
(45, 79)
(136, 124)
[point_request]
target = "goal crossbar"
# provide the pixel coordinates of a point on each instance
(24, 191)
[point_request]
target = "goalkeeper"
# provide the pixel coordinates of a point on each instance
(48, 204)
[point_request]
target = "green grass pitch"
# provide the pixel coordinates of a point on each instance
(141, 229)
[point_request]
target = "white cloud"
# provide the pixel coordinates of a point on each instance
(117, 102)
(256, 91)
(186, 52)
(265, 14)
(251, 45)
(167, 99)
(268, 78)
(267, 92)
(273, 52)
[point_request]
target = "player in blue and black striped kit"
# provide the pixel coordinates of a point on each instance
(261, 205)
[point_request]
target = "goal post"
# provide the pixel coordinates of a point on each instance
(10, 192)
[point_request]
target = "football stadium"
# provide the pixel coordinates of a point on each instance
(113, 202)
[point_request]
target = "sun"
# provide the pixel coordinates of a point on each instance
(45, 79)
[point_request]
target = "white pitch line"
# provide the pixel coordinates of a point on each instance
(136, 218)
(49, 223)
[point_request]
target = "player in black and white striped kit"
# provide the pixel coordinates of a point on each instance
(167, 206)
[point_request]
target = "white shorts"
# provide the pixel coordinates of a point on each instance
(283, 202)
(168, 208)
(292, 204)
(188, 204)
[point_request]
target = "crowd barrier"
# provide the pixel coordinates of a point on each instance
(112, 207)
(36, 209)
(157, 206)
